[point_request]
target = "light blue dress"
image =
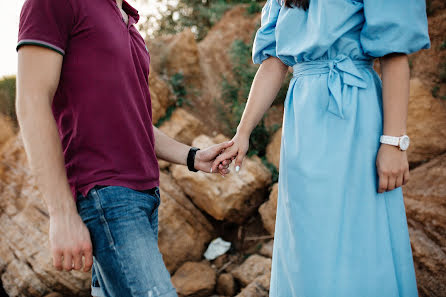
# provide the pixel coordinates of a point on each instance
(335, 235)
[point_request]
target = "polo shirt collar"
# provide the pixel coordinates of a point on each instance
(131, 11)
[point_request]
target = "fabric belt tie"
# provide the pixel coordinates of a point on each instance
(341, 71)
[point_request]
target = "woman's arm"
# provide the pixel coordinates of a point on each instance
(264, 89)
(392, 164)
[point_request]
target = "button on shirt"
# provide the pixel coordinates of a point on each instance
(102, 105)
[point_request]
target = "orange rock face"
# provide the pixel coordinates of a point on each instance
(425, 199)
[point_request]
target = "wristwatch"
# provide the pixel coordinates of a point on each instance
(401, 142)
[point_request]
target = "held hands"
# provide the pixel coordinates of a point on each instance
(392, 167)
(204, 158)
(237, 151)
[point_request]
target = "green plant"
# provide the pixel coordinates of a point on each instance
(435, 90)
(7, 96)
(443, 72)
(254, 8)
(443, 45)
(272, 169)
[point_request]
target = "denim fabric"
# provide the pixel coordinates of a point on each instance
(123, 225)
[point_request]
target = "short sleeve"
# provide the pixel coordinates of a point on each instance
(46, 23)
(265, 40)
(394, 26)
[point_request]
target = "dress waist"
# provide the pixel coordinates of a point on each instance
(343, 63)
(342, 72)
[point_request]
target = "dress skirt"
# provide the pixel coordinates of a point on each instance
(335, 235)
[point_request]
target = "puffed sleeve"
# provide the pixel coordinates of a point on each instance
(394, 26)
(265, 40)
(46, 23)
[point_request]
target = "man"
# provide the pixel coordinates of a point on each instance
(84, 109)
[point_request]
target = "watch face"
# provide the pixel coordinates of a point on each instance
(404, 142)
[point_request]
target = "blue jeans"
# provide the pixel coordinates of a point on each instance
(123, 225)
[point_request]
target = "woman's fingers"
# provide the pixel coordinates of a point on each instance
(383, 182)
(399, 180)
(406, 177)
(239, 161)
(77, 260)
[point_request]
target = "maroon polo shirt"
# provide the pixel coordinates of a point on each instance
(102, 104)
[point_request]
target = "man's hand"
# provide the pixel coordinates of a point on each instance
(392, 167)
(205, 157)
(69, 241)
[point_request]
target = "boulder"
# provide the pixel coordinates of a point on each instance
(6, 130)
(252, 268)
(267, 249)
(426, 124)
(182, 57)
(425, 200)
(258, 288)
(273, 149)
(194, 279)
(226, 285)
(268, 210)
(26, 268)
(183, 126)
(160, 96)
(232, 198)
(183, 230)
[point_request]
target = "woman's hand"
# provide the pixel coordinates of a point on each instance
(238, 151)
(393, 168)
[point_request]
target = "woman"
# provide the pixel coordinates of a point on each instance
(341, 228)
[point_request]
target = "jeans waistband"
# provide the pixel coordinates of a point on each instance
(151, 191)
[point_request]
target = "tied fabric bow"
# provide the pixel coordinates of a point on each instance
(350, 76)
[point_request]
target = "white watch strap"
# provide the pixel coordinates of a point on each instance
(391, 140)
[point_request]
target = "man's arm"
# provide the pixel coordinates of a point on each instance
(170, 150)
(69, 237)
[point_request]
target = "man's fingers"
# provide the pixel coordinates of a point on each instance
(57, 259)
(67, 261)
(88, 258)
(224, 145)
(77, 260)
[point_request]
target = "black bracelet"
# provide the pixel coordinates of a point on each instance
(191, 158)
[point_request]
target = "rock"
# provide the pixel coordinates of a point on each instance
(163, 164)
(267, 249)
(273, 149)
(6, 130)
(54, 295)
(182, 57)
(232, 198)
(425, 200)
(183, 126)
(183, 230)
(25, 261)
(253, 267)
(426, 124)
(214, 49)
(268, 210)
(160, 96)
(226, 285)
(194, 279)
(258, 288)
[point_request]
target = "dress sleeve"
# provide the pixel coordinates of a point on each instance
(265, 40)
(394, 26)
(46, 23)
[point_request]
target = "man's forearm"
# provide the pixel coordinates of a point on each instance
(169, 149)
(44, 152)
